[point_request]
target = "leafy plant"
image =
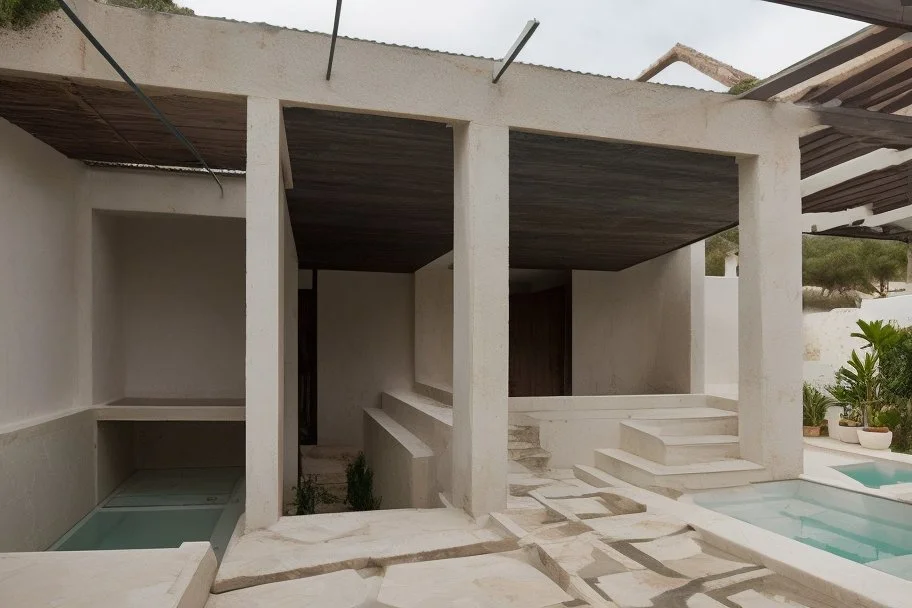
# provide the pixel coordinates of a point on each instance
(815, 405)
(162, 6)
(858, 384)
(308, 494)
(878, 336)
(20, 14)
(360, 491)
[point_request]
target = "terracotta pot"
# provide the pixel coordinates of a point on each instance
(875, 439)
(811, 431)
(848, 434)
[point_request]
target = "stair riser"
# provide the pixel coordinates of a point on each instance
(534, 463)
(525, 434)
(650, 447)
(687, 454)
(683, 482)
(696, 426)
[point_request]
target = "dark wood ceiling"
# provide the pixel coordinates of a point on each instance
(376, 193)
(100, 124)
(594, 205)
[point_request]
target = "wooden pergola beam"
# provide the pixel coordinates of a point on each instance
(890, 13)
(715, 69)
(854, 46)
(867, 126)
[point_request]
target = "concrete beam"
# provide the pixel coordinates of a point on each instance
(163, 192)
(480, 317)
(215, 57)
(265, 313)
(769, 311)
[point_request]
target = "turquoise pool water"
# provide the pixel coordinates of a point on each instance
(877, 474)
(157, 509)
(863, 528)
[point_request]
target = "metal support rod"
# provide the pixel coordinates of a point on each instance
(527, 32)
(332, 43)
(139, 92)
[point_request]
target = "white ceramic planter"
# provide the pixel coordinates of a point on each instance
(875, 441)
(848, 434)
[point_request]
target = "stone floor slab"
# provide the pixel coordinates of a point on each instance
(484, 581)
(637, 589)
(636, 526)
(343, 589)
(318, 544)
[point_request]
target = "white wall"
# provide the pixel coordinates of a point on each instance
(365, 324)
(827, 335)
(434, 324)
(108, 365)
(181, 281)
(721, 332)
(37, 277)
(632, 330)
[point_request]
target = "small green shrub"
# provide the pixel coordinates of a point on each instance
(815, 406)
(744, 86)
(308, 495)
(360, 491)
(20, 14)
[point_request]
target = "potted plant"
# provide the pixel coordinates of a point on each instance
(815, 409)
(877, 435)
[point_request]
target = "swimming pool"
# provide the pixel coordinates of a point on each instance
(877, 474)
(157, 509)
(860, 527)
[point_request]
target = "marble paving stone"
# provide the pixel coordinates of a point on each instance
(636, 526)
(584, 508)
(700, 600)
(583, 556)
(685, 554)
(752, 599)
(318, 544)
(343, 589)
(484, 581)
(637, 589)
(515, 503)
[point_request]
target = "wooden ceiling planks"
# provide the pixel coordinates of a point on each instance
(883, 12)
(376, 193)
(100, 124)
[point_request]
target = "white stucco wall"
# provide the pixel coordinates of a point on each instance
(632, 330)
(365, 322)
(721, 332)
(181, 280)
(827, 335)
(434, 324)
(108, 365)
(37, 284)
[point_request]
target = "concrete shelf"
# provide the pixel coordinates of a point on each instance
(144, 409)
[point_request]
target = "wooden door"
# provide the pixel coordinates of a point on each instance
(539, 343)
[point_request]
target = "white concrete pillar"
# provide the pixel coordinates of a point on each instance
(769, 310)
(480, 316)
(265, 313)
(697, 256)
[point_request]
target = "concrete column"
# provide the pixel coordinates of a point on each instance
(769, 310)
(480, 317)
(265, 313)
(698, 318)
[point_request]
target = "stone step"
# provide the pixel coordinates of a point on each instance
(690, 421)
(534, 460)
(521, 445)
(528, 434)
(685, 477)
(647, 441)
(519, 454)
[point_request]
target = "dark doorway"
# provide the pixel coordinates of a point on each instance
(540, 343)
(307, 363)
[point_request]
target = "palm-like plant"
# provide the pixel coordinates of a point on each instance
(858, 384)
(815, 405)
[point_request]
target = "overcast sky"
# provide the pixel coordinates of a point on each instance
(611, 37)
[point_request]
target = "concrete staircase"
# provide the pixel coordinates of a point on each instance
(683, 448)
(524, 447)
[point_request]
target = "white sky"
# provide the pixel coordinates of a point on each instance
(611, 37)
